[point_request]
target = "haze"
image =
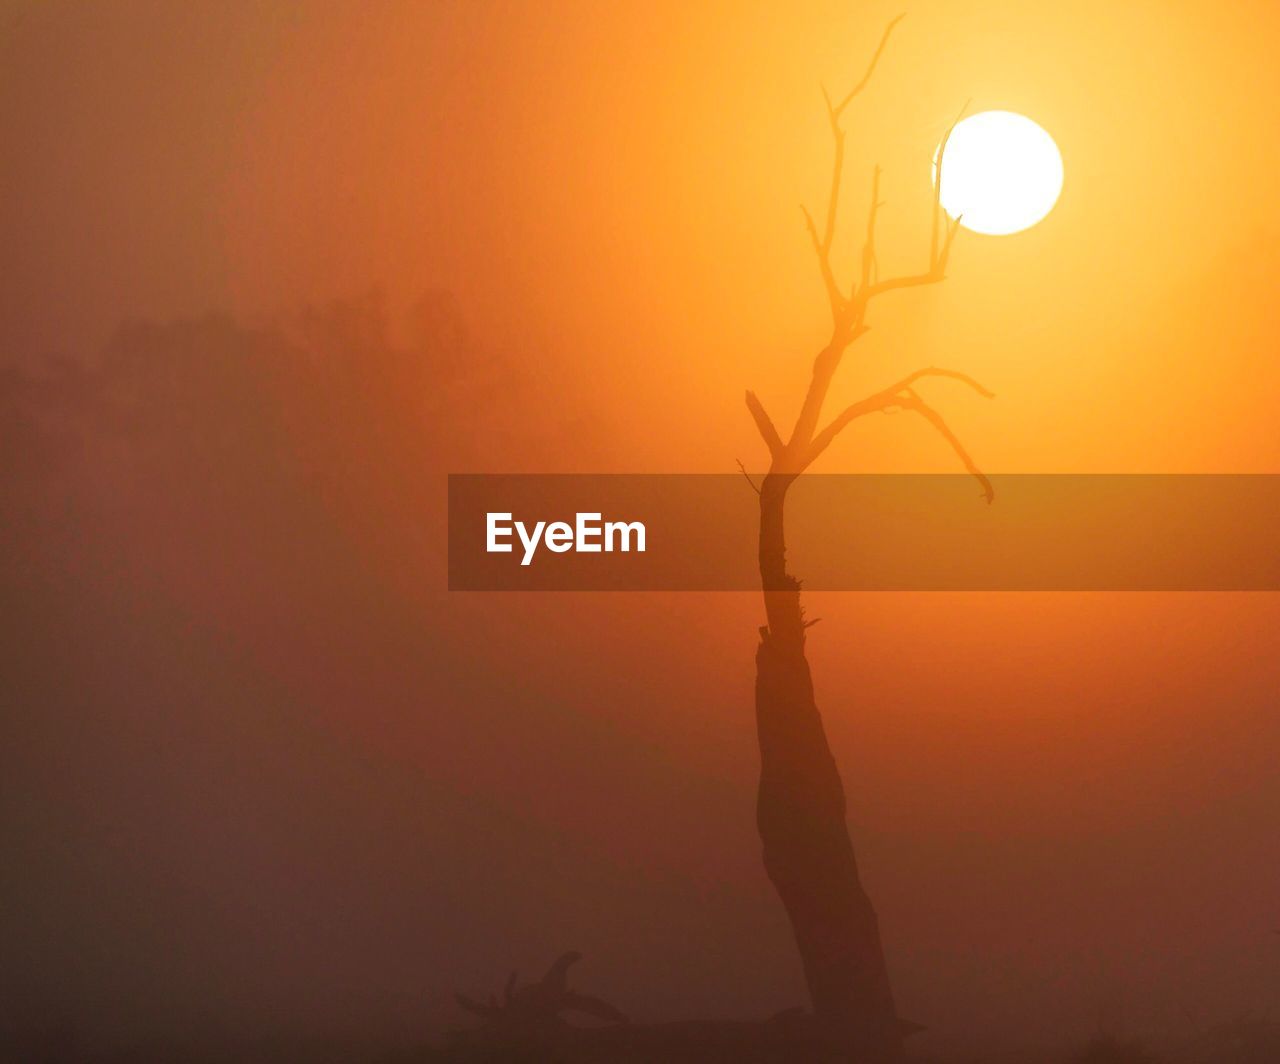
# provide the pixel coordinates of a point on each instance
(264, 778)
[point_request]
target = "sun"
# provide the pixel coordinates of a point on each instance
(1001, 173)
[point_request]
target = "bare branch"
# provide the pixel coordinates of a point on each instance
(770, 435)
(945, 257)
(936, 272)
(748, 476)
(899, 396)
(824, 265)
(914, 402)
(822, 243)
(871, 68)
(912, 280)
(935, 371)
(837, 169)
(869, 246)
(813, 231)
(849, 312)
(872, 404)
(943, 232)
(937, 191)
(825, 365)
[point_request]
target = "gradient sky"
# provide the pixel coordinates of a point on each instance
(374, 793)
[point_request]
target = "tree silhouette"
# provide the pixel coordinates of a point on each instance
(801, 804)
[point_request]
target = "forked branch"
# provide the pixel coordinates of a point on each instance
(822, 243)
(941, 237)
(837, 301)
(849, 310)
(902, 396)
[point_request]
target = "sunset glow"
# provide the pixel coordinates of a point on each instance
(550, 488)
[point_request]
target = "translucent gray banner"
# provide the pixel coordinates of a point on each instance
(674, 532)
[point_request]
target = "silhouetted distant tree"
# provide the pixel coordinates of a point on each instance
(310, 430)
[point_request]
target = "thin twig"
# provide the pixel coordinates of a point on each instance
(914, 402)
(833, 196)
(937, 189)
(871, 68)
(823, 243)
(748, 476)
(935, 371)
(869, 246)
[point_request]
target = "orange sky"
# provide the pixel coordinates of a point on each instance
(628, 179)
(1057, 798)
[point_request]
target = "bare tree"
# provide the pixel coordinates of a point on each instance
(801, 802)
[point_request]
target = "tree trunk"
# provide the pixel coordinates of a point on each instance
(801, 818)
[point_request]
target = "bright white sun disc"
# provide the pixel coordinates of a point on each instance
(1001, 173)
